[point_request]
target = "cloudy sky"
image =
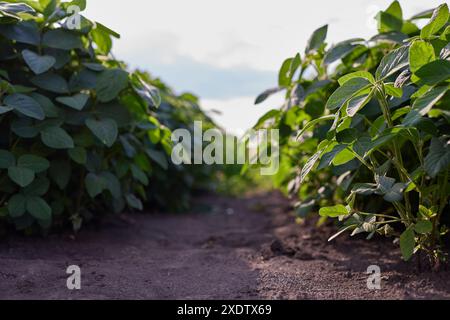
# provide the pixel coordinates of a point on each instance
(229, 51)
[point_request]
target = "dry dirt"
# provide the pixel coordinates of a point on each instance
(226, 248)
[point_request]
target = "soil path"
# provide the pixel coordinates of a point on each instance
(225, 249)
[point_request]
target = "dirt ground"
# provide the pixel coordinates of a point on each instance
(226, 248)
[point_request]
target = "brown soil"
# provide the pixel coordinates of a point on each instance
(226, 249)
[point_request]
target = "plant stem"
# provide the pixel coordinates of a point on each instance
(381, 95)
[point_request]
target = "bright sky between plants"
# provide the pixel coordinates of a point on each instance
(227, 52)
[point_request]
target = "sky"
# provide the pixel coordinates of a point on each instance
(229, 51)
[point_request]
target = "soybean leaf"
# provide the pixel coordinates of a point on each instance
(149, 93)
(112, 184)
(60, 172)
(33, 162)
(438, 158)
(285, 75)
(61, 39)
(56, 138)
(340, 50)
(25, 105)
(76, 102)
(407, 243)
(4, 109)
(317, 39)
(433, 73)
(22, 176)
(95, 184)
(423, 105)
(134, 202)
(110, 83)
(17, 205)
(391, 19)
(438, 20)
(312, 123)
(104, 129)
(7, 159)
(263, 96)
(393, 62)
(78, 154)
(38, 64)
(23, 32)
(38, 208)
(357, 103)
(357, 74)
(423, 227)
(420, 54)
(334, 212)
(347, 91)
(51, 82)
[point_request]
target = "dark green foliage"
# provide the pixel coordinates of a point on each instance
(377, 155)
(79, 134)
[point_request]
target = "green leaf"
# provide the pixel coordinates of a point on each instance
(423, 227)
(134, 202)
(21, 176)
(4, 109)
(149, 93)
(393, 62)
(266, 94)
(357, 103)
(38, 64)
(7, 159)
(438, 20)
(395, 193)
(420, 54)
(328, 157)
(102, 40)
(423, 105)
(391, 19)
(393, 91)
(407, 243)
(104, 129)
(312, 123)
(438, 158)
(56, 138)
(78, 155)
(357, 74)
(23, 32)
(60, 172)
(347, 91)
(107, 30)
(433, 73)
(334, 212)
(16, 206)
(285, 76)
(95, 184)
(317, 39)
(61, 39)
(159, 157)
(25, 105)
(50, 110)
(139, 175)
(112, 184)
(110, 83)
(341, 50)
(76, 102)
(33, 162)
(51, 82)
(38, 187)
(343, 157)
(38, 208)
